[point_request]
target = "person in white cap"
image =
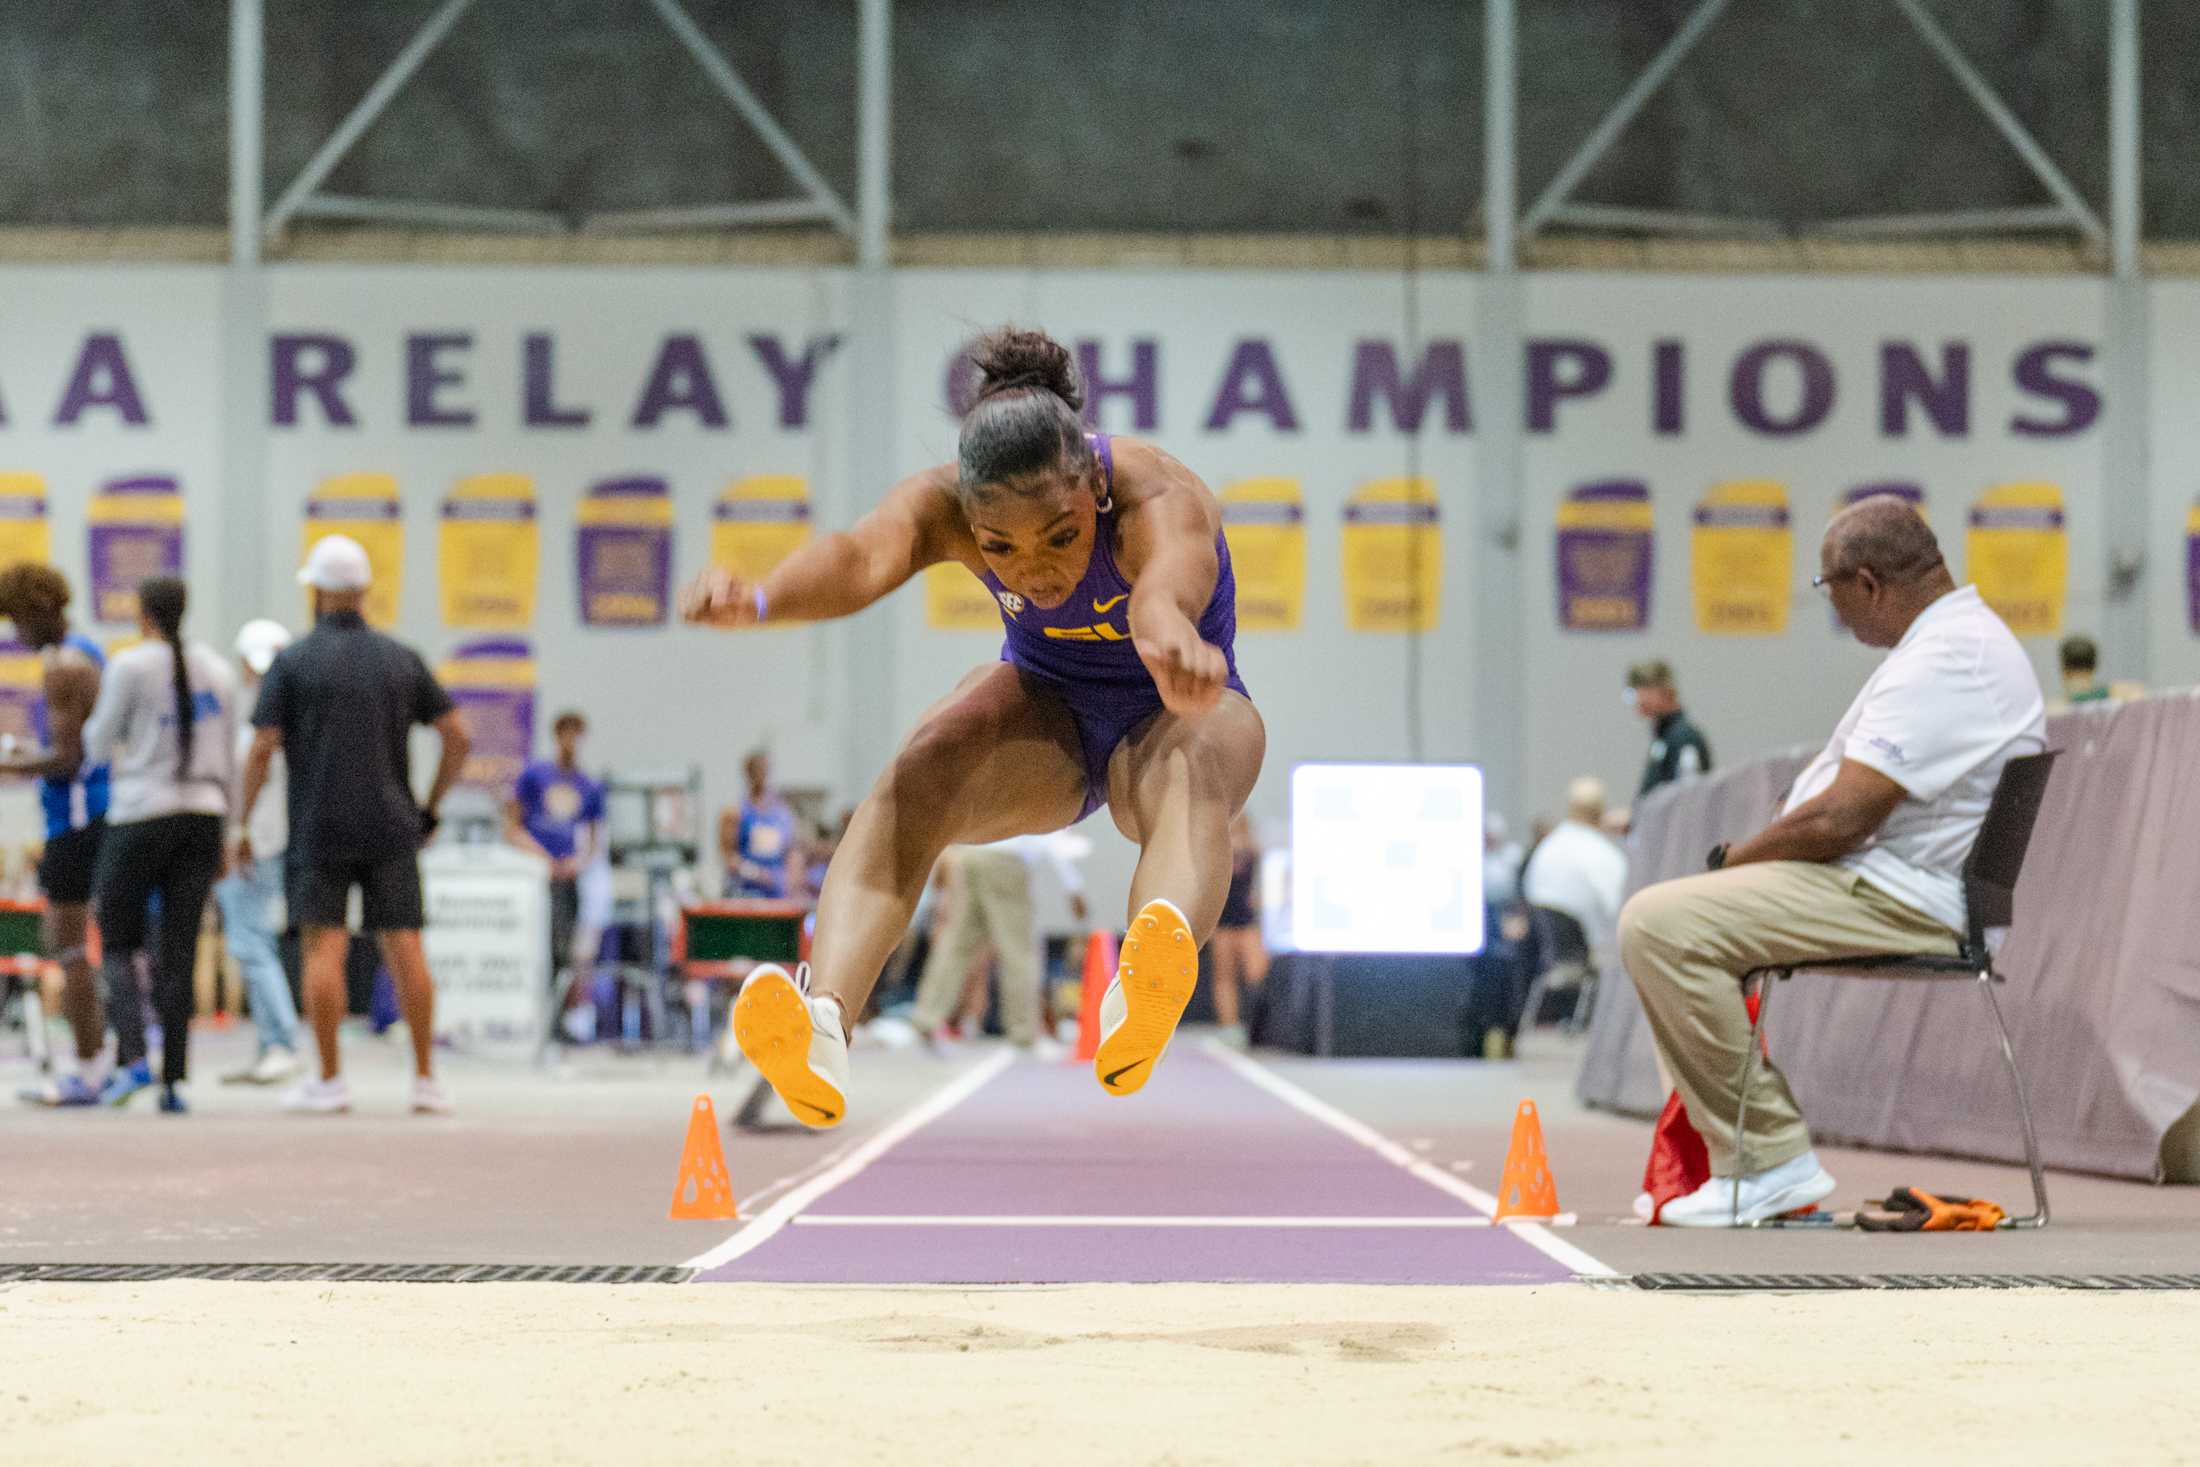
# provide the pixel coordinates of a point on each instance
(340, 706)
(248, 894)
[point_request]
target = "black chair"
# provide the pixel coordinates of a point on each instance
(1989, 894)
(1562, 961)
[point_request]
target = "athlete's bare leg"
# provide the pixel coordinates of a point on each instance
(995, 758)
(1174, 787)
(67, 930)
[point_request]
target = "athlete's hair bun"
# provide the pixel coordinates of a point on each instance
(1008, 360)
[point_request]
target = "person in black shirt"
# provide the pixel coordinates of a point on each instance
(341, 706)
(1677, 747)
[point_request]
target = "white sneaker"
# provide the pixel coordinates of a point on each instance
(579, 1024)
(1233, 1036)
(796, 1042)
(319, 1097)
(1046, 1047)
(430, 1098)
(274, 1067)
(1784, 1188)
(1154, 979)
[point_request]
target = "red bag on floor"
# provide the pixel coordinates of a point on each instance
(1679, 1161)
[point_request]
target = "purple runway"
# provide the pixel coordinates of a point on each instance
(1204, 1177)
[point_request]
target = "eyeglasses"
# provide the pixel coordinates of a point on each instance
(1823, 584)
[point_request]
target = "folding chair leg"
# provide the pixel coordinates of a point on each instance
(2038, 1217)
(1749, 1073)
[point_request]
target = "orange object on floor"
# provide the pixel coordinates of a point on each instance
(704, 1191)
(1526, 1189)
(1099, 973)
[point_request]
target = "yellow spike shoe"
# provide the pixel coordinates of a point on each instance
(795, 1042)
(1153, 982)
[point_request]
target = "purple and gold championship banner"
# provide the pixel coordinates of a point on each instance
(1393, 551)
(2016, 550)
(1741, 559)
(22, 695)
(759, 522)
(136, 533)
(493, 683)
(365, 507)
(1264, 521)
(25, 533)
(489, 553)
(2192, 569)
(957, 601)
(625, 550)
(1912, 494)
(1607, 540)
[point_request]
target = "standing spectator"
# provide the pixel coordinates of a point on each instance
(1678, 749)
(990, 901)
(72, 793)
(248, 895)
(557, 812)
(1581, 871)
(1238, 957)
(1502, 858)
(341, 706)
(757, 841)
(167, 714)
(2081, 664)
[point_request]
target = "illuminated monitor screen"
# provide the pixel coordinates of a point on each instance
(1386, 858)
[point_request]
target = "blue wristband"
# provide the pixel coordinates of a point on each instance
(761, 605)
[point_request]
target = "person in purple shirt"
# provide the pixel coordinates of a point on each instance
(557, 811)
(1117, 686)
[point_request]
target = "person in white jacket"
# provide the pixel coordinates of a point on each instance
(166, 720)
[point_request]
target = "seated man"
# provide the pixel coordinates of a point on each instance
(1866, 858)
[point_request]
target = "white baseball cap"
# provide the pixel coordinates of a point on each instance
(259, 641)
(337, 563)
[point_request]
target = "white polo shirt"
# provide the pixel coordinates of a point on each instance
(1952, 703)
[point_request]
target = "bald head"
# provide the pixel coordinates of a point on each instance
(1884, 535)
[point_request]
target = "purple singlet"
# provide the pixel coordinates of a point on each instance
(1082, 651)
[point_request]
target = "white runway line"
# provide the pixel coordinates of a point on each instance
(1533, 1234)
(1104, 1220)
(766, 1225)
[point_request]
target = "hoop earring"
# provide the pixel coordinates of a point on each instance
(1106, 503)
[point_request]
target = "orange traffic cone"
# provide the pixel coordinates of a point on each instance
(705, 1188)
(1526, 1189)
(1099, 973)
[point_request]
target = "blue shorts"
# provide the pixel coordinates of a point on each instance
(1105, 715)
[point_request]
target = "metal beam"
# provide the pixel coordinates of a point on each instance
(728, 81)
(874, 129)
(707, 216)
(2006, 122)
(2040, 219)
(2124, 212)
(362, 117)
(247, 127)
(442, 216)
(1500, 134)
(1665, 221)
(1623, 112)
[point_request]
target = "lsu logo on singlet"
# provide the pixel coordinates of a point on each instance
(1099, 632)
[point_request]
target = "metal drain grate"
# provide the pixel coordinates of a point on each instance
(1712, 1283)
(343, 1273)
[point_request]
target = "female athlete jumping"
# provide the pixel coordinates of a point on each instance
(1117, 686)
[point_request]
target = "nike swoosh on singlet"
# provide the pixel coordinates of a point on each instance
(1110, 1079)
(1104, 607)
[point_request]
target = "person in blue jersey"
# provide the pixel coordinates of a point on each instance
(758, 841)
(72, 793)
(1117, 686)
(557, 812)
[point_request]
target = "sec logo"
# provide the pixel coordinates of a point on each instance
(1011, 602)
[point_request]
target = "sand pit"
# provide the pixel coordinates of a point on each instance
(525, 1374)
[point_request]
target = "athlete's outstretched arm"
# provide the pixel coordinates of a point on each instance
(1169, 553)
(841, 573)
